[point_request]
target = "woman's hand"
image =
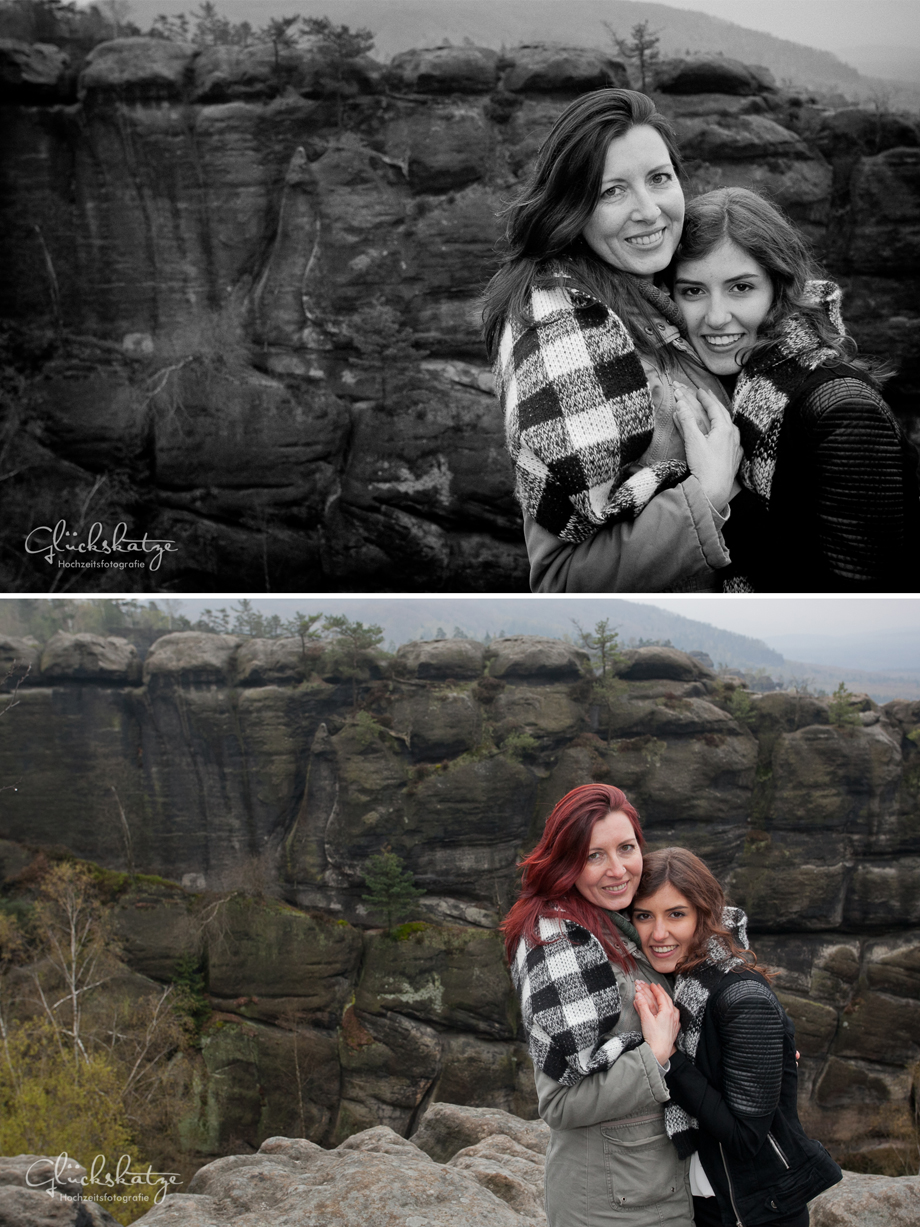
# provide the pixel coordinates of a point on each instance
(660, 1020)
(713, 458)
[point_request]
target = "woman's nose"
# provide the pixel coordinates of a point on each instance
(645, 208)
(717, 312)
(615, 867)
(660, 931)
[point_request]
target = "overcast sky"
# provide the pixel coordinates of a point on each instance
(829, 24)
(764, 616)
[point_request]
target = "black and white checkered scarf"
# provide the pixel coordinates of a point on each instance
(570, 1002)
(691, 996)
(768, 383)
(578, 410)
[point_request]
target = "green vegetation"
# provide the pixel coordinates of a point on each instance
(82, 1069)
(741, 707)
(840, 711)
(518, 744)
(602, 646)
(352, 639)
(392, 887)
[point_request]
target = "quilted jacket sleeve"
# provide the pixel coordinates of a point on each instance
(750, 1030)
(865, 492)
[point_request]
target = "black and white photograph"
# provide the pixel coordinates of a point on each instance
(459, 297)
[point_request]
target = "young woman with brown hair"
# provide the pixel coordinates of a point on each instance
(732, 1073)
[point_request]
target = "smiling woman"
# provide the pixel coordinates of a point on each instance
(829, 500)
(586, 348)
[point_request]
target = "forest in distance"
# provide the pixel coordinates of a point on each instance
(882, 666)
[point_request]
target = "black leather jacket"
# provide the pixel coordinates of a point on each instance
(844, 512)
(742, 1090)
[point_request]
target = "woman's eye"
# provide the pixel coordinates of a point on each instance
(611, 193)
(628, 848)
(594, 856)
(640, 916)
(662, 176)
(689, 291)
(743, 287)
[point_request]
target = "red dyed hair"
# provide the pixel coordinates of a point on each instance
(548, 883)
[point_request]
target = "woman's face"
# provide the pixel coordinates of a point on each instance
(614, 865)
(724, 298)
(666, 924)
(638, 218)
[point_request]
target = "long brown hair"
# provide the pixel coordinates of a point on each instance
(764, 232)
(681, 869)
(545, 222)
(548, 884)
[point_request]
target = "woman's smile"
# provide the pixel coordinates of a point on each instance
(638, 217)
(724, 298)
(666, 924)
(614, 864)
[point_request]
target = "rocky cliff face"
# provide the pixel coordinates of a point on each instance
(246, 779)
(269, 281)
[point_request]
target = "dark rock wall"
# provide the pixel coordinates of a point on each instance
(220, 222)
(244, 777)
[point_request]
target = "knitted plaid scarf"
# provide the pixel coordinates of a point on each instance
(578, 409)
(691, 996)
(768, 383)
(570, 1002)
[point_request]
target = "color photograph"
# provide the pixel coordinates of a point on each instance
(445, 911)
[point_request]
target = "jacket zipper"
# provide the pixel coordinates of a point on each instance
(731, 1191)
(775, 1145)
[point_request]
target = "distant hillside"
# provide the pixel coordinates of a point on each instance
(407, 618)
(403, 24)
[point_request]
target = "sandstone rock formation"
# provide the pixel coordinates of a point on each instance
(231, 219)
(464, 1166)
(237, 771)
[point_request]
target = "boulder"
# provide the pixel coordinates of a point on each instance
(440, 658)
(156, 927)
(268, 662)
(714, 74)
(437, 724)
(535, 657)
(718, 139)
(654, 662)
(264, 1079)
(486, 1073)
(509, 1170)
(548, 713)
(445, 70)
(868, 1201)
(224, 74)
(389, 1063)
(192, 658)
(285, 962)
(20, 658)
(375, 1179)
(447, 1128)
(854, 131)
(41, 1173)
(554, 69)
(34, 1208)
(449, 977)
(90, 658)
(137, 69)
(33, 74)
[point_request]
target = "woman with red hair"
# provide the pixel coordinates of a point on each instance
(574, 960)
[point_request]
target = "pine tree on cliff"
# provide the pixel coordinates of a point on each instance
(642, 51)
(392, 887)
(352, 639)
